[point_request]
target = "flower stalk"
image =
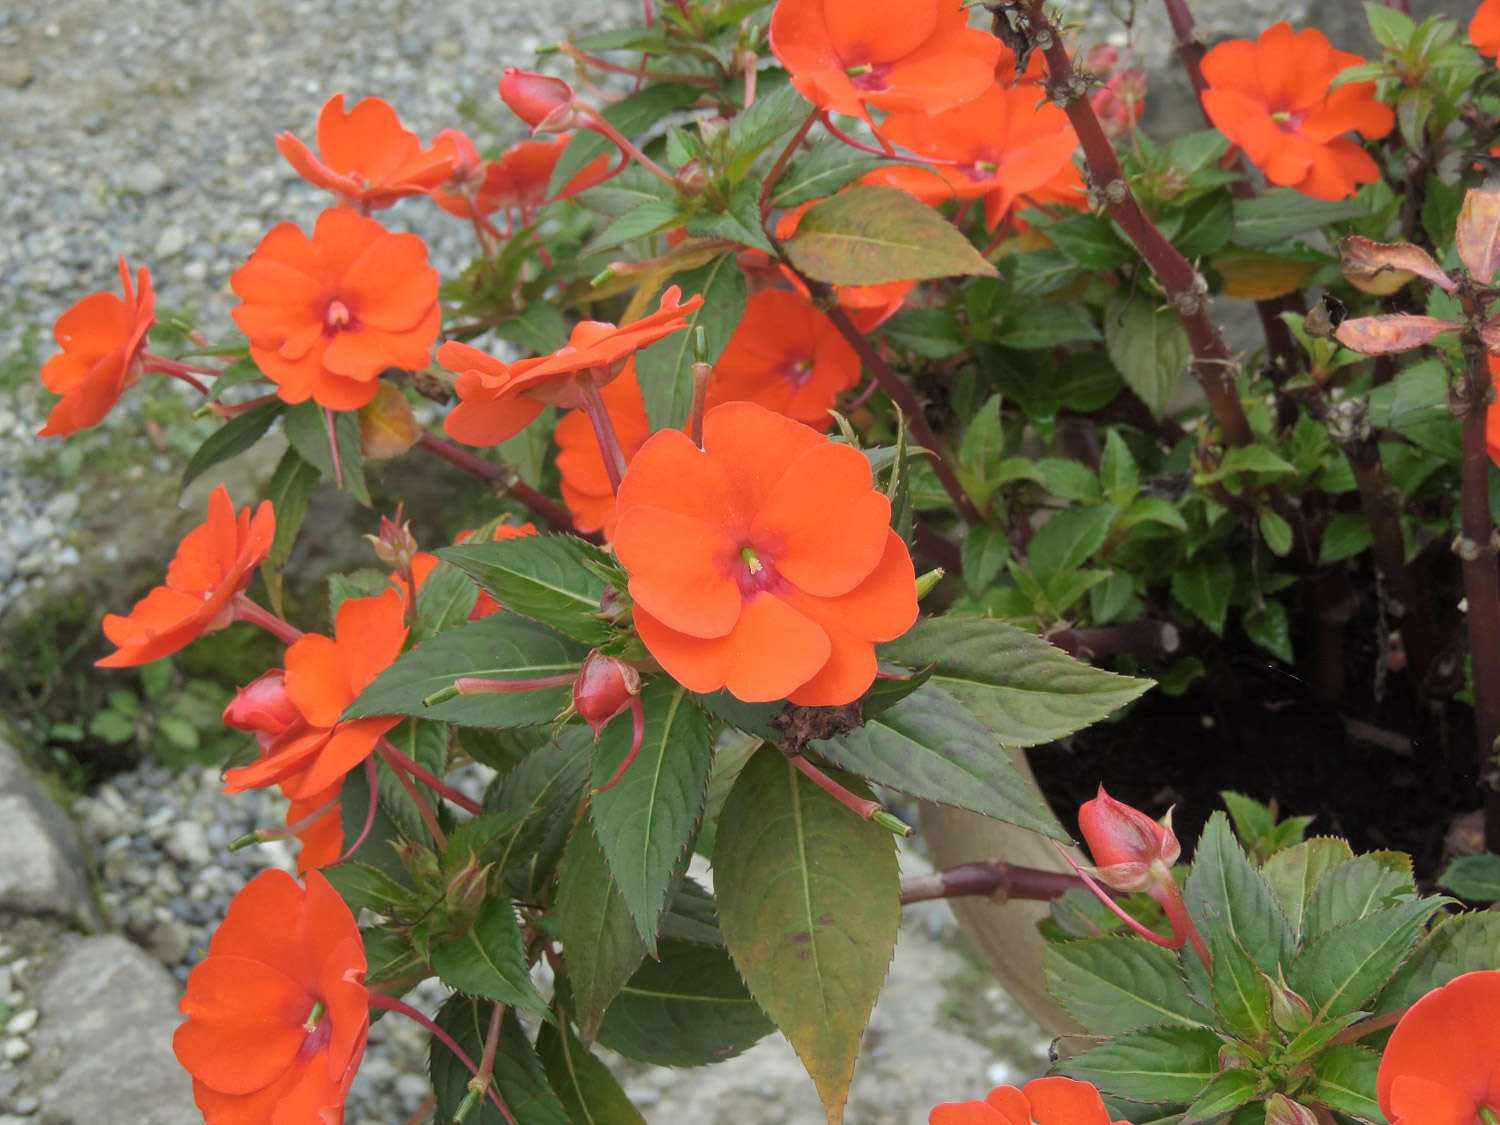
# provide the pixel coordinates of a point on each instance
(393, 1004)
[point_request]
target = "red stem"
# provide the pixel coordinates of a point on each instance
(392, 1004)
(781, 162)
(424, 810)
(994, 879)
(401, 763)
(506, 478)
(637, 736)
(246, 610)
(364, 833)
(604, 431)
(333, 446)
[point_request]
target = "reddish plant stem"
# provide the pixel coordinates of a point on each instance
(492, 473)
(1476, 547)
(402, 764)
(246, 610)
(422, 1110)
(228, 410)
(424, 809)
(604, 431)
(1355, 1032)
(865, 809)
(993, 878)
(392, 1004)
(781, 162)
(1212, 365)
(483, 1076)
(1144, 638)
(333, 447)
(364, 833)
(582, 57)
(895, 389)
(1189, 48)
(593, 119)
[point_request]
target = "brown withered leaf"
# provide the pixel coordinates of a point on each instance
(1478, 234)
(1383, 267)
(1376, 335)
(386, 425)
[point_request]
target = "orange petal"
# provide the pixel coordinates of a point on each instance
(1064, 1101)
(244, 1024)
(753, 448)
(672, 474)
(680, 569)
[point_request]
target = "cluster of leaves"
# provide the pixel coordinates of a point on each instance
(1308, 943)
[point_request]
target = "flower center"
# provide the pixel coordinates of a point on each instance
(869, 76)
(796, 372)
(319, 1030)
(754, 573)
(337, 317)
(1488, 1115)
(1287, 121)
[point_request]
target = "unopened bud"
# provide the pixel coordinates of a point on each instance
(1281, 1110)
(691, 179)
(926, 582)
(263, 706)
(468, 888)
(1234, 1056)
(1291, 1013)
(420, 863)
(1125, 842)
(604, 687)
(543, 102)
(395, 545)
(613, 605)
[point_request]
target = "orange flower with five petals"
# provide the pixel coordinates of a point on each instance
(585, 481)
(1484, 28)
(102, 337)
(365, 156)
(1043, 1101)
(764, 562)
(1272, 98)
(498, 400)
(278, 1012)
(786, 355)
(910, 55)
(323, 676)
(326, 315)
(214, 562)
(1441, 1065)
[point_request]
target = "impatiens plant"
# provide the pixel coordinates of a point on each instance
(824, 363)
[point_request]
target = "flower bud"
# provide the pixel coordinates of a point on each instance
(1291, 1013)
(264, 707)
(1126, 843)
(421, 864)
(543, 102)
(1281, 1110)
(395, 545)
(604, 687)
(468, 889)
(691, 179)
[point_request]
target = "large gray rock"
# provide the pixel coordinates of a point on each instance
(41, 868)
(104, 1040)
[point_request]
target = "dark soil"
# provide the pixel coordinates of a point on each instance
(1383, 771)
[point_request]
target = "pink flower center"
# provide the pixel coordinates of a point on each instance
(869, 76)
(319, 1030)
(754, 573)
(1288, 121)
(797, 371)
(337, 318)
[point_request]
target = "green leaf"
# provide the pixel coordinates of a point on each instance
(1147, 345)
(1069, 539)
(1206, 225)
(1347, 534)
(1090, 241)
(290, 490)
(378, 852)
(1456, 944)
(650, 217)
(306, 426)
(1072, 480)
(1108, 599)
(1345, 1076)
(1239, 992)
(772, 116)
(1039, 272)
(1203, 584)
(928, 332)
(554, 579)
(1047, 325)
(645, 823)
(490, 960)
(1278, 213)
(445, 599)
(631, 116)
(689, 1008)
(665, 369)
(543, 792)
(829, 166)
(501, 646)
(112, 726)
(930, 746)
(1112, 985)
(1224, 892)
(519, 1078)
(589, 1092)
(1292, 874)
(1245, 459)
(873, 234)
(1118, 472)
(1357, 887)
(1155, 1064)
(739, 221)
(1023, 689)
(983, 553)
(230, 440)
(1345, 966)
(1275, 531)
(1152, 509)
(1269, 628)
(599, 937)
(1229, 1090)
(809, 906)
(1473, 877)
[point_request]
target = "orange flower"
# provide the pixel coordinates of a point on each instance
(1272, 98)
(277, 1013)
(909, 55)
(102, 338)
(1441, 1065)
(787, 356)
(327, 315)
(366, 158)
(1004, 143)
(214, 561)
(517, 180)
(323, 676)
(1044, 1101)
(764, 562)
(498, 400)
(585, 483)
(1484, 28)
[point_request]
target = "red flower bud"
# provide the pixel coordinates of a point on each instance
(1125, 842)
(395, 545)
(604, 687)
(543, 102)
(264, 707)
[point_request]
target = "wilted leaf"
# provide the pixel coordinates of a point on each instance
(1478, 233)
(1376, 335)
(1383, 267)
